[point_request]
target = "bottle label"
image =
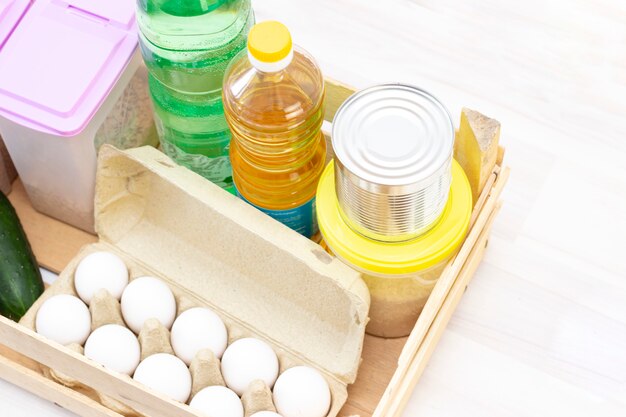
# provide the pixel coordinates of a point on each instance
(302, 219)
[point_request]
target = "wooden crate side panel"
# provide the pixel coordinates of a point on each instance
(435, 304)
(416, 368)
(119, 387)
(452, 271)
(47, 389)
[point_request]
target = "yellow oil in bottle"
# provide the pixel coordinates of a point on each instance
(273, 101)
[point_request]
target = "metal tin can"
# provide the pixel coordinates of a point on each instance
(393, 147)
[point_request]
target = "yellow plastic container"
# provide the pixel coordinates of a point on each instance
(400, 275)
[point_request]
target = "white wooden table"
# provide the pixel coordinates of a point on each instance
(542, 328)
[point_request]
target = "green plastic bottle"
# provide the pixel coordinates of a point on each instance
(187, 45)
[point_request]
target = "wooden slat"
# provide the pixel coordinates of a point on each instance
(482, 199)
(415, 369)
(379, 361)
(43, 387)
(437, 299)
(119, 387)
(451, 272)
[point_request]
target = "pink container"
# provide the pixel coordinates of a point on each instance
(71, 79)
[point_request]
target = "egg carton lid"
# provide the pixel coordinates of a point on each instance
(235, 258)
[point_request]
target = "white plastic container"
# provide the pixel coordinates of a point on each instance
(70, 80)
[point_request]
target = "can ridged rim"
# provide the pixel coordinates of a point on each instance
(391, 218)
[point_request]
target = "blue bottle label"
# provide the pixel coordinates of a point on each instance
(302, 219)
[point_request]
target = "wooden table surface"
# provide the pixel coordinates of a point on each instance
(542, 328)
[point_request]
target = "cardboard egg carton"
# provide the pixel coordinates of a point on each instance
(263, 279)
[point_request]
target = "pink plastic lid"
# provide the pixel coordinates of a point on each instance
(11, 12)
(62, 60)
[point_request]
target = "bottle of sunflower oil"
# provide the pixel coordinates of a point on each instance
(273, 98)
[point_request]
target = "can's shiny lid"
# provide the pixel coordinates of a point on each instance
(397, 258)
(393, 134)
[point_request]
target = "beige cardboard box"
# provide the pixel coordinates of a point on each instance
(213, 249)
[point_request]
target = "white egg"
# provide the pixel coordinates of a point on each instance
(217, 401)
(145, 298)
(64, 319)
(246, 360)
(115, 347)
(165, 374)
(100, 270)
(196, 329)
(265, 414)
(301, 392)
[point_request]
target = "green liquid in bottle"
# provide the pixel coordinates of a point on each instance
(187, 46)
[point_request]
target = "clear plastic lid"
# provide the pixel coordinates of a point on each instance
(62, 60)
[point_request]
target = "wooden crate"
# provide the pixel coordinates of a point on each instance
(390, 368)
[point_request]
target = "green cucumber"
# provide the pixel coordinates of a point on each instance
(20, 278)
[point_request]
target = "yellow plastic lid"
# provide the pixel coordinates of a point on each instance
(401, 258)
(269, 41)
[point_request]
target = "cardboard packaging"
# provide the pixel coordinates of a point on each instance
(214, 250)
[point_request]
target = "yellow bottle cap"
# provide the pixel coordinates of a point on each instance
(269, 41)
(399, 258)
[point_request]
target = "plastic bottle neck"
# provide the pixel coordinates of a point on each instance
(271, 66)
